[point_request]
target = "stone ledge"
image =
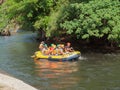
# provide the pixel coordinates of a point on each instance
(10, 83)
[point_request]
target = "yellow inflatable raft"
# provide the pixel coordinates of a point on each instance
(66, 57)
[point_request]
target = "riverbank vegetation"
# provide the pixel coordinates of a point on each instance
(96, 22)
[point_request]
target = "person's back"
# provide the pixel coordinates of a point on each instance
(60, 50)
(43, 48)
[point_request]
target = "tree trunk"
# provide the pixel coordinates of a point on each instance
(41, 35)
(1, 1)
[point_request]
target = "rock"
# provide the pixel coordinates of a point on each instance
(5, 33)
(10, 83)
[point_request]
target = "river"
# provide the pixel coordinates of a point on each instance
(94, 71)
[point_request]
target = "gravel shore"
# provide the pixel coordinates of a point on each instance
(10, 83)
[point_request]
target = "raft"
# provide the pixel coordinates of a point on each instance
(66, 57)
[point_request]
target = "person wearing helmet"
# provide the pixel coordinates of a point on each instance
(54, 52)
(43, 47)
(60, 49)
(51, 48)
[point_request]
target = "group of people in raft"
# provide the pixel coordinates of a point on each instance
(53, 49)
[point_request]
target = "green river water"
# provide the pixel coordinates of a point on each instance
(94, 71)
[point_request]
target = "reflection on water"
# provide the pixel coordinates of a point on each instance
(94, 71)
(61, 74)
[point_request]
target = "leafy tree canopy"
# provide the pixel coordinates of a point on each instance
(93, 19)
(81, 18)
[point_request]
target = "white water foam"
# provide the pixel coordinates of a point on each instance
(82, 58)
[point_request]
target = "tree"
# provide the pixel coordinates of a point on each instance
(84, 19)
(93, 19)
(30, 14)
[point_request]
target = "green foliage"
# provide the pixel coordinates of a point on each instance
(93, 19)
(21, 11)
(81, 18)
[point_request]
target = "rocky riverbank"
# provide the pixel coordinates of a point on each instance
(10, 83)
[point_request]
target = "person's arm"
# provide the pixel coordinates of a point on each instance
(40, 46)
